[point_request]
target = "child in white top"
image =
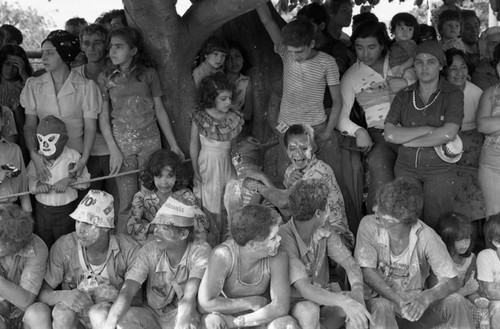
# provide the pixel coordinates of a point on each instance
(488, 269)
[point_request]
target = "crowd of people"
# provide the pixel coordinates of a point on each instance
(102, 226)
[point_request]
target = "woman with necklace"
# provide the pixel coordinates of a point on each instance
(426, 115)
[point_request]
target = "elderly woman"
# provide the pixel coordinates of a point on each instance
(300, 146)
(468, 196)
(65, 94)
(428, 113)
(488, 123)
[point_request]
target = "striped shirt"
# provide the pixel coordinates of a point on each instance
(304, 86)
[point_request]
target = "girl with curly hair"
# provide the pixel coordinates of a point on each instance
(162, 177)
(215, 125)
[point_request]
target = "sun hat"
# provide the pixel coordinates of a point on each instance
(96, 208)
(66, 44)
(177, 212)
(432, 47)
(452, 151)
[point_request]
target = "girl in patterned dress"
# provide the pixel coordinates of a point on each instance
(215, 126)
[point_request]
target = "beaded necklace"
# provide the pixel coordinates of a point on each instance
(426, 106)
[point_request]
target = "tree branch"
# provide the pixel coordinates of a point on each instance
(209, 15)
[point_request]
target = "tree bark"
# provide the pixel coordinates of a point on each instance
(173, 41)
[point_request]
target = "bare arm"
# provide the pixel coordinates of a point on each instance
(491, 289)
(269, 23)
(355, 277)
(166, 127)
(374, 280)
(122, 303)
(278, 197)
(336, 107)
(438, 136)
(280, 293)
(209, 296)
(15, 294)
(486, 122)
(116, 156)
(355, 312)
(186, 310)
(402, 135)
(74, 299)
(194, 149)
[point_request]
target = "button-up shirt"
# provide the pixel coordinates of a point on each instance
(310, 261)
(428, 252)
(166, 284)
(77, 100)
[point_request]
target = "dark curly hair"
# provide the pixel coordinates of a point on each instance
(307, 196)
(253, 222)
(402, 198)
(453, 226)
(13, 50)
(299, 32)
(210, 87)
(16, 228)
(154, 166)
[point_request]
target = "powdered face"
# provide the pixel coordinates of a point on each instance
(299, 150)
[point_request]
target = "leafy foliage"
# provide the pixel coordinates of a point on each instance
(33, 26)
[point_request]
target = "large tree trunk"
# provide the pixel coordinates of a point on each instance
(173, 42)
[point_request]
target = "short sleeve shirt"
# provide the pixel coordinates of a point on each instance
(132, 101)
(428, 252)
(446, 105)
(320, 170)
(77, 100)
(311, 261)
(304, 86)
(65, 268)
(166, 284)
(27, 267)
(488, 266)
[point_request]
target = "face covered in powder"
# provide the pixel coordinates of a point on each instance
(300, 150)
(88, 234)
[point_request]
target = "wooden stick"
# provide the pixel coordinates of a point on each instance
(76, 183)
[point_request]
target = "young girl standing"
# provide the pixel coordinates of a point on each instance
(162, 177)
(215, 125)
(132, 97)
(456, 231)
